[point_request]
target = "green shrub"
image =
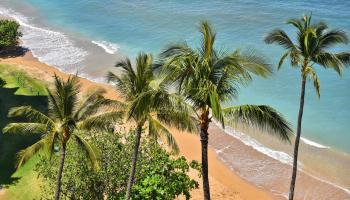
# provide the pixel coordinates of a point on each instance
(9, 34)
(159, 175)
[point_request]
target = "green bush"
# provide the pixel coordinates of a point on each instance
(159, 175)
(9, 34)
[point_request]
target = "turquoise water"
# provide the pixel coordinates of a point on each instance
(151, 25)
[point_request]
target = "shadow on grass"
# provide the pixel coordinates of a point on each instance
(15, 52)
(10, 144)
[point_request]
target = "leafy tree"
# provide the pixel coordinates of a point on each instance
(207, 78)
(158, 176)
(66, 119)
(148, 102)
(310, 49)
(9, 34)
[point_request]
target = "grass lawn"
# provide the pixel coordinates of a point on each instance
(18, 79)
(19, 90)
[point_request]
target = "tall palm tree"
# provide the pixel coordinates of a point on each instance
(208, 78)
(147, 101)
(66, 119)
(310, 49)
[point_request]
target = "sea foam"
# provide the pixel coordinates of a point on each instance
(50, 47)
(110, 48)
(249, 141)
(314, 144)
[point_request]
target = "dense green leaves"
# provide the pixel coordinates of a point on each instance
(158, 175)
(9, 34)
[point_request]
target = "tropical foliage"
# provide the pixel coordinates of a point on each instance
(147, 101)
(208, 78)
(9, 34)
(66, 119)
(158, 176)
(311, 48)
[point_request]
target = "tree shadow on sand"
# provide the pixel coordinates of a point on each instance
(14, 52)
(10, 144)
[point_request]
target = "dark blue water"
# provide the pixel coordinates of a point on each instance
(130, 27)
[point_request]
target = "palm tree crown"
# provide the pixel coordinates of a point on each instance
(147, 100)
(311, 48)
(66, 119)
(207, 78)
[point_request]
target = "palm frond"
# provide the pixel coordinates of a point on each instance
(280, 37)
(332, 38)
(260, 116)
(24, 155)
(254, 63)
(102, 121)
(310, 72)
(329, 60)
(344, 57)
(26, 128)
(157, 130)
(216, 107)
(284, 56)
(30, 114)
(208, 39)
(91, 151)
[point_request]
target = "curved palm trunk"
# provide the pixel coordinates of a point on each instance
(297, 139)
(60, 171)
(204, 142)
(134, 162)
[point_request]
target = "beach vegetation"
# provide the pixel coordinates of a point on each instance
(158, 175)
(9, 34)
(208, 79)
(311, 48)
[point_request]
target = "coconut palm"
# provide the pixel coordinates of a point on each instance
(310, 49)
(66, 119)
(207, 78)
(147, 101)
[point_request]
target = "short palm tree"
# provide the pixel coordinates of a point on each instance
(208, 78)
(310, 49)
(66, 119)
(148, 102)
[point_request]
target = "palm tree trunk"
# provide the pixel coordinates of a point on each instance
(297, 139)
(60, 171)
(204, 142)
(134, 162)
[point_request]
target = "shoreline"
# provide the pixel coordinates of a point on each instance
(225, 184)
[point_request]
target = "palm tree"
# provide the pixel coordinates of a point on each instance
(148, 102)
(309, 50)
(66, 119)
(207, 78)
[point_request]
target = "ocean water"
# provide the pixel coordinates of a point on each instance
(89, 36)
(67, 34)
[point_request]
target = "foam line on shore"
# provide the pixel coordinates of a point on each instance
(50, 47)
(109, 47)
(249, 141)
(314, 144)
